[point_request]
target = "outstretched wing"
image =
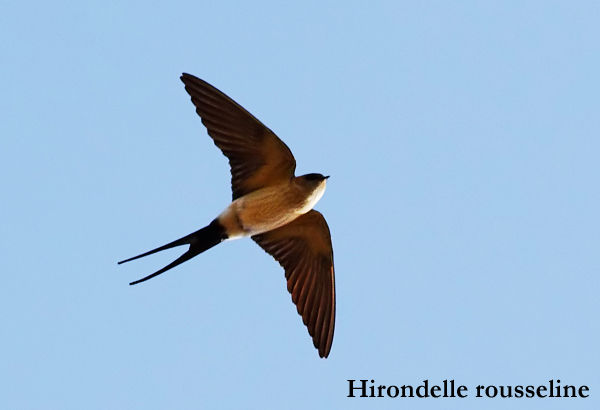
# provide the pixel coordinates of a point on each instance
(258, 158)
(303, 248)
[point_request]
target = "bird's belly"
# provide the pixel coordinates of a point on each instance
(264, 210)
(262, 214)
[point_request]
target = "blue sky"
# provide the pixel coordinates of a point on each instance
(462, 139)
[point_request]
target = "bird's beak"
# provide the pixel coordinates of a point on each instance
(327, 177)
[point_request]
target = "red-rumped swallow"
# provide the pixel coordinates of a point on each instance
(271, 205)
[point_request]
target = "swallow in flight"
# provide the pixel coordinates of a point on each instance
(270, 204)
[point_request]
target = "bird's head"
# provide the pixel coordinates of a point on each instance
(313, 180)
(313, 186)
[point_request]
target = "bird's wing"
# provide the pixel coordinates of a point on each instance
(303, 248)
(258, 158)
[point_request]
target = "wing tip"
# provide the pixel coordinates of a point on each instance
(324, 349)
(188, 78)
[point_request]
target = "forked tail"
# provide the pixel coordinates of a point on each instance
(199, 241)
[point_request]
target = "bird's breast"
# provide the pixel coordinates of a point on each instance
(267, 209)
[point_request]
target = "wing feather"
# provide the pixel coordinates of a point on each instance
(257, 157)
(303, 248)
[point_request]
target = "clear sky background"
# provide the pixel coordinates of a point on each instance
(462, 140)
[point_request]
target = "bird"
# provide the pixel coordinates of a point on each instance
(270, 204)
